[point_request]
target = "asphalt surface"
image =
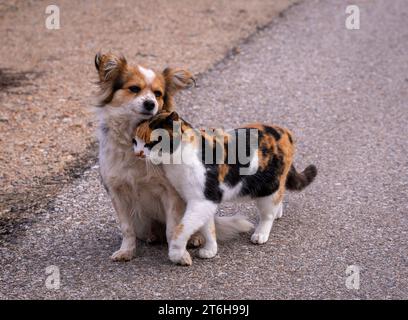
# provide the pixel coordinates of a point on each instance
(344, 95)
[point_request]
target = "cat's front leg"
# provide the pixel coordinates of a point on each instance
(197, 214)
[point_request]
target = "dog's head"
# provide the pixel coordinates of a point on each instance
(135, 90)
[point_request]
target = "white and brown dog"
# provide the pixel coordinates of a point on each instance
(141, 196)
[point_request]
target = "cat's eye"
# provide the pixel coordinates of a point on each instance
(134, 142)
(134, 89)
(158, 94)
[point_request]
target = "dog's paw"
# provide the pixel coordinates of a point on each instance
(196, 240)
(123, 255)
(259, 238)
(181, 257)
(207, 253)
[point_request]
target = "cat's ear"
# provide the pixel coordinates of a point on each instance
(173, 116)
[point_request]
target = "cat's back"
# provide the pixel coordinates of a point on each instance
(271, 149)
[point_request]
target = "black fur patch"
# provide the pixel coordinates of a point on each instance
(272, 131)
(290, 137)
(260, 184)
(297, 181)
(212, 189)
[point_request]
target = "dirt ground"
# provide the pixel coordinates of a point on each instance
(47, 76)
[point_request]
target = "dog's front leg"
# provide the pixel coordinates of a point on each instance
(174, 208)
(123, 209)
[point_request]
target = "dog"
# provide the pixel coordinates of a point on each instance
(205, 182)
(141, 195)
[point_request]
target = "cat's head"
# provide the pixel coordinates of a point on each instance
(165, 128)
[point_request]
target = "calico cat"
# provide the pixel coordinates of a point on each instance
(203, 184)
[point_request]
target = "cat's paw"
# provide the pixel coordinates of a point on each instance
(181, 257)
(207, 253)
(259, 238)
(123, 255)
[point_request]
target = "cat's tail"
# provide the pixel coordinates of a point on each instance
(297, 181)
(227, 228)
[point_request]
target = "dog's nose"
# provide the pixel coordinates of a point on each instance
(149, 105)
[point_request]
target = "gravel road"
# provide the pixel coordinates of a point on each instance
(344, 94)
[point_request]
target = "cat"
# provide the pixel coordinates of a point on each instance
(204, 184)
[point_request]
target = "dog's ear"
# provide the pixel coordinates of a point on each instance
(109, 66)
(175, 80)
(111, 70)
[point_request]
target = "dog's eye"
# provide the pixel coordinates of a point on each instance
(134, 89)
(158, 94)
(134, 141)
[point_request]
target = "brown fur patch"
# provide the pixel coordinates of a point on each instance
(284, 148)
(222, 172)
(143, 131)
(269, 143)
(213, 231)
(287, 149)
(178, 230)
(175, 80)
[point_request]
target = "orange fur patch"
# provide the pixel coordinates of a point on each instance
(213, 231)
(284, 148)
(288, 150)
(222, 172)
(178, 230)
(143, 131)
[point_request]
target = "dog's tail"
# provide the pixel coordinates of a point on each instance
(298, 181)
(227, 228)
